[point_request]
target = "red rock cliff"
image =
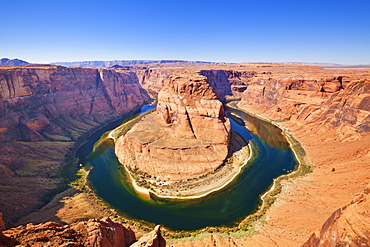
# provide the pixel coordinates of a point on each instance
(35, 102)
(348, 226)
(312, 96)
(99, 233)
(43, 110)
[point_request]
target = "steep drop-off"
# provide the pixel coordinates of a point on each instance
(43, 112)
(331, 101)
(187, 136)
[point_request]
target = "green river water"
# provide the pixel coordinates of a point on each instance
(272, 158)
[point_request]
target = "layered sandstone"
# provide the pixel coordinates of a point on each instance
(43, 111)
(99, 233)
(313, 96)
(152, 239)
(187, 136)
(348, 226)
(40, 103)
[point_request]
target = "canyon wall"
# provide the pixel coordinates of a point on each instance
(39, 104)
(225, 82)
(43, 111)
(348, 226)
(153, 79)
(325, 99)
(228, 83)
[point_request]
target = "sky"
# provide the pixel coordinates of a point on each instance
(324, 31)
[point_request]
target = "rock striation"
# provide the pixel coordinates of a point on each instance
(44, 110)
(36, 102)
(311, 96)
(99, 233)
(187, 136)
(348, 226)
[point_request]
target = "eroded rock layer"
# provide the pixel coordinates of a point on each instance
(187, 136)
(348, 226)
(99, 233)
(43, 111)
(313, 96)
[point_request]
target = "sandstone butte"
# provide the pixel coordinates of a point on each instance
(326, 110)
(185, 138)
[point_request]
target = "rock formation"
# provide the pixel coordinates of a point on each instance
(228, 83)
(348, 226)
(186, 137)
(152, 239)
(99, 233)
(43, 111)
(34, 98)
(310, 95)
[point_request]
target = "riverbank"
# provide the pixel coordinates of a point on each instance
(201, 186)
(339, 171)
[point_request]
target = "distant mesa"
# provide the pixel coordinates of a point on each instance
(119, 67)
(15, 62)
(105, 64)
(185, 138)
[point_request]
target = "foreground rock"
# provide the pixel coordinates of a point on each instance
(104, 233)
(152, 239)
(187, 137)
(348, 226)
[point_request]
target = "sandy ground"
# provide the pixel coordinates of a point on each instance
(341, 170)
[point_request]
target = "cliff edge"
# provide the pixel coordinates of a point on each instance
(104, 233)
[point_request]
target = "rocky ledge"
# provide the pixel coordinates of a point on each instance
(104, 232)
(185, 138)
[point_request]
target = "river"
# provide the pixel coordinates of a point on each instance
(272, 158)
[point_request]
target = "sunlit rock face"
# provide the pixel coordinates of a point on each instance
(100, 233)
(44, 109)
(348, 226)
(186, 137)
(40, 102)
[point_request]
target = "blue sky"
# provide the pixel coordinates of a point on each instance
(46, 31)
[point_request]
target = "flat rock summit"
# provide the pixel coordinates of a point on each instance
(185, 138)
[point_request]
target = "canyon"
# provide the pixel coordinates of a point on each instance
(46, 109)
